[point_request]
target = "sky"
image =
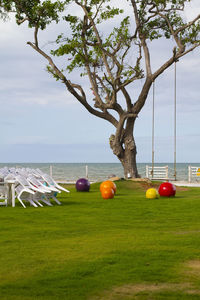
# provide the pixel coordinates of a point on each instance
(41, 122)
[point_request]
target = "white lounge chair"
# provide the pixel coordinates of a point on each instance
(3, 194)
(51, 182)
(42, 192)
(24, 194)
(45, 198)
(35, 183)
(31, 189)
(30, 185)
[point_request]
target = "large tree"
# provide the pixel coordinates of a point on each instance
(113, 54)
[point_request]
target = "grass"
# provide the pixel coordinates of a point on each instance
(89, 248)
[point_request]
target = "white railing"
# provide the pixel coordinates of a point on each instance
(157, 173)
(193, 173)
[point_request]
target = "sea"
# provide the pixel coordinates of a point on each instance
(70, 172)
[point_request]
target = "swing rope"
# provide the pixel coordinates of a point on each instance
(153, 129)
(175, 120)
(153, 125)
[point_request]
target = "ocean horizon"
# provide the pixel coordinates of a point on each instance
(99, 171)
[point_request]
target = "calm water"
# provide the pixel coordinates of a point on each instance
(99, 171)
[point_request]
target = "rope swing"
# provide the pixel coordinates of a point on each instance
(153, 126)
(175, 120)
(153, 129)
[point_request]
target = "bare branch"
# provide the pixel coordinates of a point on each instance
(81, 98)
(120, 127)
(97, 36)
(143, 40)
(174, 34)
(78, 87)
(187, 25)
(22, 21)
(189, 50)
(127, 97)
(173, 59)
(36, 36)
(142, 97)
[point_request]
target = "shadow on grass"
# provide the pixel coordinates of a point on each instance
(85, 193)
(171, 198)
(66, 203)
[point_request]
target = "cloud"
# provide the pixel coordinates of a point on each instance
(41, 121)
(7, 123)
(187, 149)
(37, 153)
(29, 140)
(191, 9)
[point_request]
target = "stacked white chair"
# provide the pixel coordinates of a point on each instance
(41, 190)
(3, 194)
(32, 186)
(53, 185)
(3, 189)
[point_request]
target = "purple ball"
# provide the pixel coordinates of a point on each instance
(82, 185)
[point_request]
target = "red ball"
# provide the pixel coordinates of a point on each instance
(167, 189)
(174, 190)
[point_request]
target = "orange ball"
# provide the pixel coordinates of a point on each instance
(107, 193)
(108, 184)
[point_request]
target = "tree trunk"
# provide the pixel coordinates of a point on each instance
(125, 150)
(128, 161)
(128, 158)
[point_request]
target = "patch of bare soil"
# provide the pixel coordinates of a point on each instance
(181, 188)
(178, 188)
(192, 269)
(144, 185)
(194, 264)
(189, 286)
(130, 291)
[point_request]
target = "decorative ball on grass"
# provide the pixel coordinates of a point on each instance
(82, 185)
(107, 193)
(108, 184)
(151, 193)
(174, 190)
(167, 189)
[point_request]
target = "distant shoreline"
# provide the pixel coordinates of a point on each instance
(49, 163)
(99, 171)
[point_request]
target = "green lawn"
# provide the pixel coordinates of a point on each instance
(89, 248)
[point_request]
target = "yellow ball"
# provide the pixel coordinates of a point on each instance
(151, 193)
